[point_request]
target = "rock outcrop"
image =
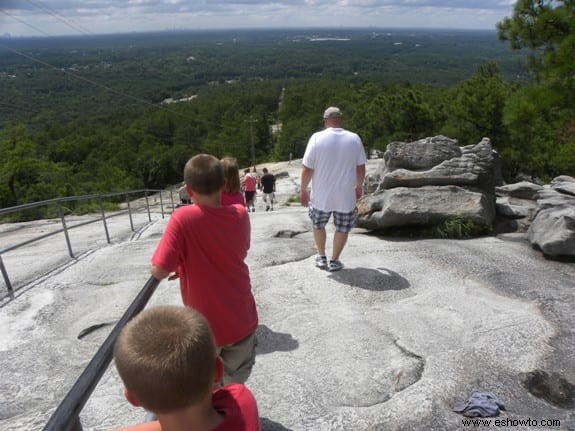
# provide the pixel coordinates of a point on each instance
(429, 181)
(553, 227)
(515, 206)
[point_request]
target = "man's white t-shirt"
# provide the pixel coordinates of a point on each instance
(334, 154)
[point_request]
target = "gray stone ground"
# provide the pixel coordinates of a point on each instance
(391, 342)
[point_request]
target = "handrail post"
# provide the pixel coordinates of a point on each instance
(172, 200)
(161, 205)
(6, 278)
(130, 211)
(148, 206)
(68, 244)
(104, 218)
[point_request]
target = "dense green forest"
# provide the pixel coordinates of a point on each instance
(90, 114)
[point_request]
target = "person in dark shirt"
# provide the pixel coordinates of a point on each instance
(268, 188)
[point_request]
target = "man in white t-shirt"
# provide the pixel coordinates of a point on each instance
(334, 163)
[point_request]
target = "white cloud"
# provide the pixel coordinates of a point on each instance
(25, 17)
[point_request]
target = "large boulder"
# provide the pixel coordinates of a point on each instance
(473, 166)
(424, 206)
(564, 184)
(429, 181)
(413, 156)
(520, 190)
(515, 206)
(553, 227)
(420, 155)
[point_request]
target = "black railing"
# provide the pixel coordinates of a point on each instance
(65, 228)
(66, 417)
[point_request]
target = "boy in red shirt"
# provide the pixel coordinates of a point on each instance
(205, 245)
(167, 359)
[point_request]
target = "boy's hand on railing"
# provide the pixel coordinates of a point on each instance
(159, 273)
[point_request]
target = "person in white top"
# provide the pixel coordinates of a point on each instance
(334, 163)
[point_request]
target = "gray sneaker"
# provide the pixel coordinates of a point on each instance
(334, 265)
(321, 262)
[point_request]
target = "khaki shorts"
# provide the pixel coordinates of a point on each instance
(239, 359)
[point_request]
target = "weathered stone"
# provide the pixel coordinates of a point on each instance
(428, 205)
(420, 155)
(553, 388)
(564, 178)
(522, 190)
(553, 227)
(429, 181)
(415, 156)
(564, 184)
(515, 208)
(473, 167)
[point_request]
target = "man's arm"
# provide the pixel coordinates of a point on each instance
(306, 174)
(360, 175)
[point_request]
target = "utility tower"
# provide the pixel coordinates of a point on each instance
(252, 120)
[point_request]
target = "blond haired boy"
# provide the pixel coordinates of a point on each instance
(166, 358)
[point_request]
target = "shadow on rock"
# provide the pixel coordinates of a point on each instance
(288, 233)
(380, 279)
(268, 425)
(270, 341)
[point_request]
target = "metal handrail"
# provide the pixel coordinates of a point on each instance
(66, 417)
(65, 228)
(22, 207)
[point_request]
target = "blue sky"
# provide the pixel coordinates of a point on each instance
(73, 17)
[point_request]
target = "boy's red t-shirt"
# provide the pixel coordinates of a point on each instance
(207, 247)
(234, 401)
(239, 407)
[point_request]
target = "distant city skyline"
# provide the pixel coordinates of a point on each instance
(74, 17)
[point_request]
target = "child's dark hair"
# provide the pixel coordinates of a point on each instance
(204, 174)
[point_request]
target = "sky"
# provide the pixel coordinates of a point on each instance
(74, 17)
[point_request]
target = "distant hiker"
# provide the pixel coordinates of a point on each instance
(184, 196)
(269, 188)
(232, 194)
(249, 185)
(214, 278)
(258, 179)
(334, 162)
(167, 360)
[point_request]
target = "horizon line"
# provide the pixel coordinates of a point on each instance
(8, 36)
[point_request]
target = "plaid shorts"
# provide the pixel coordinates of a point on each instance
(343, 222)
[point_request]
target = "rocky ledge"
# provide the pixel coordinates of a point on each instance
(431, 181)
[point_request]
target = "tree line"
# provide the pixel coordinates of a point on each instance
(133, 145)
